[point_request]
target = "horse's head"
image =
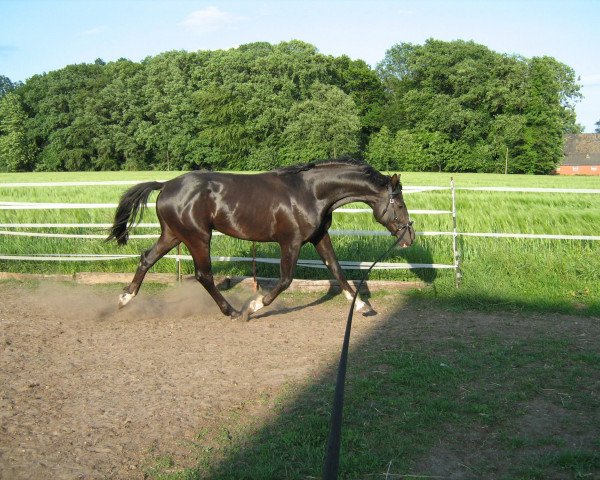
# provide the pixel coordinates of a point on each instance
(390, 210)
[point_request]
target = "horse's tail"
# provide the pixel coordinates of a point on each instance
(130, 210)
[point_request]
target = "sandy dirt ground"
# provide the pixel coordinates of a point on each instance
(88, 391)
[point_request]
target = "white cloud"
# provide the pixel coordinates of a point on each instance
(209, 19)
(92, 31)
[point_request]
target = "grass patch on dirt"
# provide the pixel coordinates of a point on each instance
(511, 399)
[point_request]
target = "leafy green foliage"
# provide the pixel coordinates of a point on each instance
(324, 126)
(442, 106)
(15, 152)
(458, 106)
(6, 85)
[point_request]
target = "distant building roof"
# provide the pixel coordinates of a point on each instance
(582, 149)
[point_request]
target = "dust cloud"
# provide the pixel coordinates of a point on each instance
(100, 303)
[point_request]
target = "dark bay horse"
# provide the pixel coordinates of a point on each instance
(291, 206)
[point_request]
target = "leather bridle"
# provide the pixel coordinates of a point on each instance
(392, 193)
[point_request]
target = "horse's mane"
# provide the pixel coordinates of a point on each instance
(372, 174)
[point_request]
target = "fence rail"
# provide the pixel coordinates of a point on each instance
(357, 233)
(82, 257)
(95, 206)
(9, 205)
(454, 233)
(406, 188)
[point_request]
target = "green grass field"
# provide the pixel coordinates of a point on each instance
(554, 275)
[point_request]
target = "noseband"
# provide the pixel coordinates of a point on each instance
(392, 201)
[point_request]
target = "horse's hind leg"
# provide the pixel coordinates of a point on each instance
(200, 251)
(165, 243)
(289, 257)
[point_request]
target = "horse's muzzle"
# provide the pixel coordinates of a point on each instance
(405, 235)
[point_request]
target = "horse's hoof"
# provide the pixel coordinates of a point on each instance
(251, 306)
(361, 306)
(235, 314)
(125, 298)
(364, 308)
(370, 312)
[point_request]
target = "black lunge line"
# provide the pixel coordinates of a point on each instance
(332, 456)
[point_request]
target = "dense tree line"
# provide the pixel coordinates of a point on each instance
(459, 106)
(452, 106)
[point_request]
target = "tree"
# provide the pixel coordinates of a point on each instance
(6, 85)
(550, 96)
(507, 142)
(359, 81)
(408, 150)
(597, 130)
(61, 125)
(380, 151)
(454, 106)
(15, 151)
(119, 107)
(248, 99)
(324, 126)
(172, 118)
(482, 103)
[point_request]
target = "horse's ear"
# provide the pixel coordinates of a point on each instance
(395, 181)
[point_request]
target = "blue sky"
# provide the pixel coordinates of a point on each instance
(41, 35)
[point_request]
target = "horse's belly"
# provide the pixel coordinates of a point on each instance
(278, 225)
(252, 232)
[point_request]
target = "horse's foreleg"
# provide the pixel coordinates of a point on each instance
(325, 250)
(289, 257)
(147, 259)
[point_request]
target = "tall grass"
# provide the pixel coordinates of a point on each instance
(514, 273)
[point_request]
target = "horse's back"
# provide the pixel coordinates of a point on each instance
(244, 187)
(247, 206)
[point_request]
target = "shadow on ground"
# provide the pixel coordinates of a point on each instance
(433, 393)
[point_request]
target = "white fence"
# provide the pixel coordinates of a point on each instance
(9, 205)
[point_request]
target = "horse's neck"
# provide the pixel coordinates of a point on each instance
(338, 189)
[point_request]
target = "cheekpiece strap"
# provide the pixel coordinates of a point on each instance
(393, 193)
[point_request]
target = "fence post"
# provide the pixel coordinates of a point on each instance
(178, 262)
(456, 253)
